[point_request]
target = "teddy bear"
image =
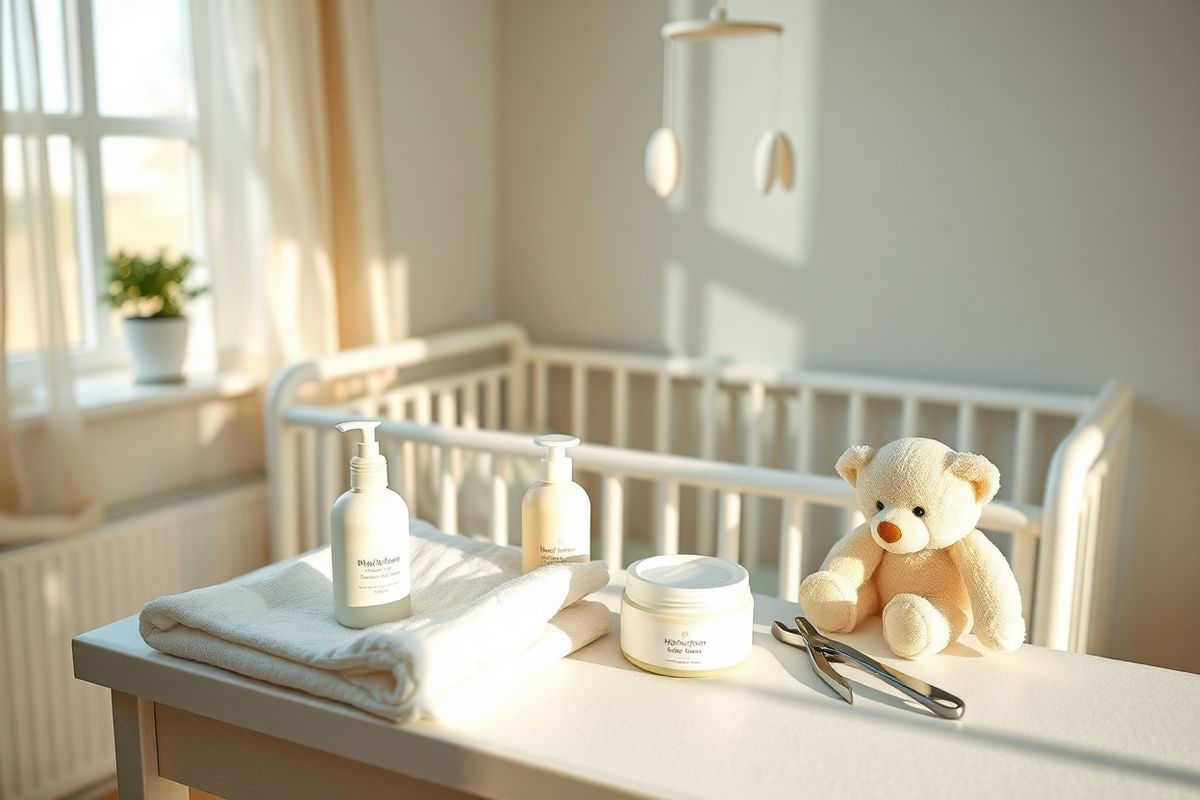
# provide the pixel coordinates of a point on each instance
(918, 556)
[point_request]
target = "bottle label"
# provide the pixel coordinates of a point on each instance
(561, 553)
(377, 575)
(687, 645)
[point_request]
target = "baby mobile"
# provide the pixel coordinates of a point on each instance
(774, 161)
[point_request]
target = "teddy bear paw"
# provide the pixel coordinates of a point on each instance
(913, 627)
(1005, 636)
(829, 601)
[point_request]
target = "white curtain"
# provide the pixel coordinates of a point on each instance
(270, 75)
(63, 497)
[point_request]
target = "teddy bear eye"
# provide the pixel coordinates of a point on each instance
(879, 505)
(918, 512)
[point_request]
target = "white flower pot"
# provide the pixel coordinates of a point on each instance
(158, 346)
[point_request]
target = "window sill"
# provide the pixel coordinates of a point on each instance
(113, 394)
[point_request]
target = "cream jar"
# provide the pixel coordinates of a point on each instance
(686, 616)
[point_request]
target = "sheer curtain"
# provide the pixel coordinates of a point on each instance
(290, 147)
(62, 497)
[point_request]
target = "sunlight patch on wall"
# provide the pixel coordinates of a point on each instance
(742, 329)
(674, 316)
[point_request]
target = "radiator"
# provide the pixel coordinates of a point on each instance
(55, 731)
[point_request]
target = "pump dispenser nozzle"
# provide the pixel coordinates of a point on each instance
(556, 466)
(368, 448)
(367, 462)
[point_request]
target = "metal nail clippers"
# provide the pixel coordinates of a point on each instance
(822, 651)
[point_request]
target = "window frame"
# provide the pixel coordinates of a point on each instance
(85, 128)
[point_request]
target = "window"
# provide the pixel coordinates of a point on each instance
(118, 93)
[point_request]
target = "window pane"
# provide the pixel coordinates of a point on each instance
(52, 60)
(20, 318)
(143, 58)
(147, 194)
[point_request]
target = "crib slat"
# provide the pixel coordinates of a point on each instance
(308, 499)
(423, 405)
(424, 458)
(612, 487)
(753, 413)
(1024, 547)
(332, 479)
(491, 403)
(964, 436)
(804, 446)
(399, 463)
(662, 443)
(26, 673)
(612, 508)
(667, 540)
(578, 401)
(909, 415)
(793, 514)
(540, 376)
(448, 408)
(662, 415)
(287, 495)
(408, 480)
(499, 506)
(705, 499)
(1084, 560)
(729, 525)
(518, 381)
(470, 405)
(447, 491)
(1099, 523)
(620, 404)
(856, 414)
(393, 451)
(791, 548)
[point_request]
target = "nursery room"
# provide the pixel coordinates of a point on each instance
(599, 398)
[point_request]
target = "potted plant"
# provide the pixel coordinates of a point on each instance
(151, 292)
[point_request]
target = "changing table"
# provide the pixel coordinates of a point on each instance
(1039, 723)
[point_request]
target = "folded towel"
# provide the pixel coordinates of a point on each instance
(478, 626)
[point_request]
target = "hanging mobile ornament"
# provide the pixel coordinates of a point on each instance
(774, 160)
(662, 151)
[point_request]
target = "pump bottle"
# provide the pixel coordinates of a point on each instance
(369, 541)
(556, 514)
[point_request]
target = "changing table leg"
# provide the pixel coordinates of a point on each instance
(137, 752)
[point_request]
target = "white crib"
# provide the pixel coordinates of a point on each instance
(700, 455)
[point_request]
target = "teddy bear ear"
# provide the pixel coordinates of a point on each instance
(853, 461)
(977, 471)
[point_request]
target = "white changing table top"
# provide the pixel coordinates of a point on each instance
(1038, 723)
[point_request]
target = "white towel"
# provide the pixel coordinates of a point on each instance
(478, 627)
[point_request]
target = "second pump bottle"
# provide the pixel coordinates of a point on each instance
(556, 514)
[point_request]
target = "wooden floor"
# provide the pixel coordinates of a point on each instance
(193, 794)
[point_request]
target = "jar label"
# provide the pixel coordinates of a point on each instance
(692, 645)
(378, 574)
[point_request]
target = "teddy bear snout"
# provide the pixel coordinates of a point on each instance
(889, 532)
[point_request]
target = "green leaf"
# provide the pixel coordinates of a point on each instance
(149, 286)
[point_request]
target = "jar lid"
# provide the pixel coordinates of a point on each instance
(687, 582)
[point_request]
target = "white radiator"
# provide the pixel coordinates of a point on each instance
(55, 731)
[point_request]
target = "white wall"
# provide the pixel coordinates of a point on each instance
(995, 192)
(437, 75)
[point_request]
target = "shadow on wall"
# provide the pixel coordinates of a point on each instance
(974, 186)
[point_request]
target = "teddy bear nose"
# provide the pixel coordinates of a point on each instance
(889, 532)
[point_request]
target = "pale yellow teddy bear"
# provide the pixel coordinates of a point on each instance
(918, 556)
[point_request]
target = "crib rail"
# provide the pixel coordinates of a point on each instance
(1083, 505)
(732, 484)
(777, 406)
(750, 472)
